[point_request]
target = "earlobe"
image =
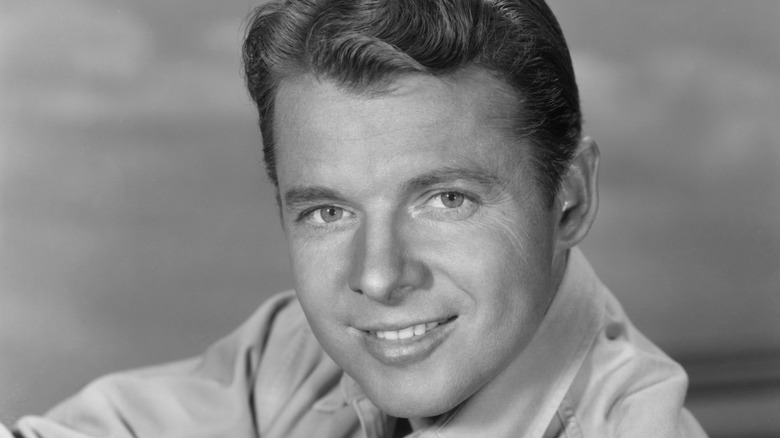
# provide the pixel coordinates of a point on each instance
(577, 198)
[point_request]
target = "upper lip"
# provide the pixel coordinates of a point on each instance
(395, 326)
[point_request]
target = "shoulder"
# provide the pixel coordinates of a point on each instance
(279, 320)
(240, 382)
(275, 348)
(627, 386)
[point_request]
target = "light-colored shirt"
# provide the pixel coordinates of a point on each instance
(587, 372)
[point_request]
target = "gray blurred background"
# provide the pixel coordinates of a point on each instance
(136, 224)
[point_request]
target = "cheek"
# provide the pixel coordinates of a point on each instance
(504, 266)
(320, 287)
(316, 260)
(525, 245)
(320, 274)
(504, 249)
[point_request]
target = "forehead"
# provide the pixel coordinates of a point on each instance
(473, 92)
(461, 117)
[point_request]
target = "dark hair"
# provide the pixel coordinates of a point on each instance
(362, 45)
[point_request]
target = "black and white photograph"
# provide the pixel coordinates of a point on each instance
(389, 218)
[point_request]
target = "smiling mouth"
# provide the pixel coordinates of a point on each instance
(409, 332)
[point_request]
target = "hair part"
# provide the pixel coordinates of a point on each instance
(365, 45)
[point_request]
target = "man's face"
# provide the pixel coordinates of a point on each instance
(422, 252)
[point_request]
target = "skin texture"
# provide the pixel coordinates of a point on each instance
(417, 206)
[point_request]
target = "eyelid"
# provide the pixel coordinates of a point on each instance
(471, 205)
(306, 213)
(468, 196)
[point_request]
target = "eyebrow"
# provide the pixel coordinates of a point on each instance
(302, 195)
(308, 194)
(450, 175)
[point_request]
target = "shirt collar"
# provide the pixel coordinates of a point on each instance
(529, 392)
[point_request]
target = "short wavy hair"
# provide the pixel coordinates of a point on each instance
(363, 45)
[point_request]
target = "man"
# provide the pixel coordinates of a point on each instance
(433, 183)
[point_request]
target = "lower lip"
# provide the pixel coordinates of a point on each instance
(405, 352)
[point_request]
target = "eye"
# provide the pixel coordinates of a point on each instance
(327, 214)
(452, 199)
(450, 205)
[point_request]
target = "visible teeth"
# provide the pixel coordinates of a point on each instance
(417, 330)
(406, 333)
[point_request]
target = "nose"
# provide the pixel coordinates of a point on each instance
(384, 266)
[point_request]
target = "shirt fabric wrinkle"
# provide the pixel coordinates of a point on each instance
(576, 378)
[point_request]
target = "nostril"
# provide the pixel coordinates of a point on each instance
(613, 331)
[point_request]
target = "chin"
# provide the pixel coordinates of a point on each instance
(415, 405)
(406, 410)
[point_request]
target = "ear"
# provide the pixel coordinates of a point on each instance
(578, 197)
